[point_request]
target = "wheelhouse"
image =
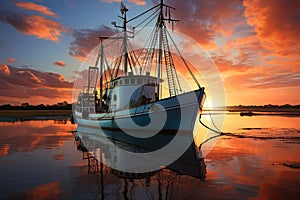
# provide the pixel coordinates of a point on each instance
(131, 91)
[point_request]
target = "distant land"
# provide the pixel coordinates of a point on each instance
(257, 108)
(26, 106)
(25, 111)
(264, 108)
(68, 106)
(63, 110)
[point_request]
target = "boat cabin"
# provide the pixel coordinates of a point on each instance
(130, 91)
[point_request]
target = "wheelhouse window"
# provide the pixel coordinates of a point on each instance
(132, 81)
(139, 81)
(126, 81)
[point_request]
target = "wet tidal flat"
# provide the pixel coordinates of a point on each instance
(46, 159)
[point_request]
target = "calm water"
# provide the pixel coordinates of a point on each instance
(46, 159)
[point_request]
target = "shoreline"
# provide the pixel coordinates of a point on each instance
(28, 115)
(255, 111)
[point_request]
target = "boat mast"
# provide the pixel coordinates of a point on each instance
(101, 69)
(160, 52)
(123, 11)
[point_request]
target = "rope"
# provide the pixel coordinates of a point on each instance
(221, 133)
(218, 132)
(104, 115)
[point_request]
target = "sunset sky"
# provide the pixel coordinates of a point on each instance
(254, 43)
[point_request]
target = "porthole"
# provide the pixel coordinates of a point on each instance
(115, 97)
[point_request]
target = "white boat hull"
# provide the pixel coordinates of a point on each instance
(166, 116)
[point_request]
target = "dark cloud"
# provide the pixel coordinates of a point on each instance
(204, 19)
(29, 83)
(86, 40)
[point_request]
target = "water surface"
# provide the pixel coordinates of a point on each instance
(45, 159)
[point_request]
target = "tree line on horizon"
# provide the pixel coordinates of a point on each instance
(68, 106)
(26, 106)
(268, 106)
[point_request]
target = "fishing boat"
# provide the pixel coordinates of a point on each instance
(127, 94)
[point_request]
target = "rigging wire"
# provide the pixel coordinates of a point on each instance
(186, 65)
(134, 59)
(117, 62)
(147, 18)
(153, 52)
(155, 16)
(152, 48)
(118, 68)
(143, 13)
(148, 60)
(129, 61)
(108, 68)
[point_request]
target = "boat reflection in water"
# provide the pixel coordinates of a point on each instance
(167, 182)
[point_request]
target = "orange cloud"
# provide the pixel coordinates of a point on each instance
(276, 24)
(137, 2)
(11, 60)
(35, 7)
(59, 63)
(110, 1)
(4, 70)
(41, 28)
(35, 25)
